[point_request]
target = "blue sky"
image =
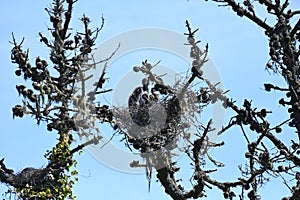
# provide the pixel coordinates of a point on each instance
(238, 49)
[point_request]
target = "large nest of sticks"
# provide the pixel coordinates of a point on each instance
(158, 116)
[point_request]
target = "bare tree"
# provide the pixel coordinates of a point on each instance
(268, 157)
(58, 97)
(51, 99)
